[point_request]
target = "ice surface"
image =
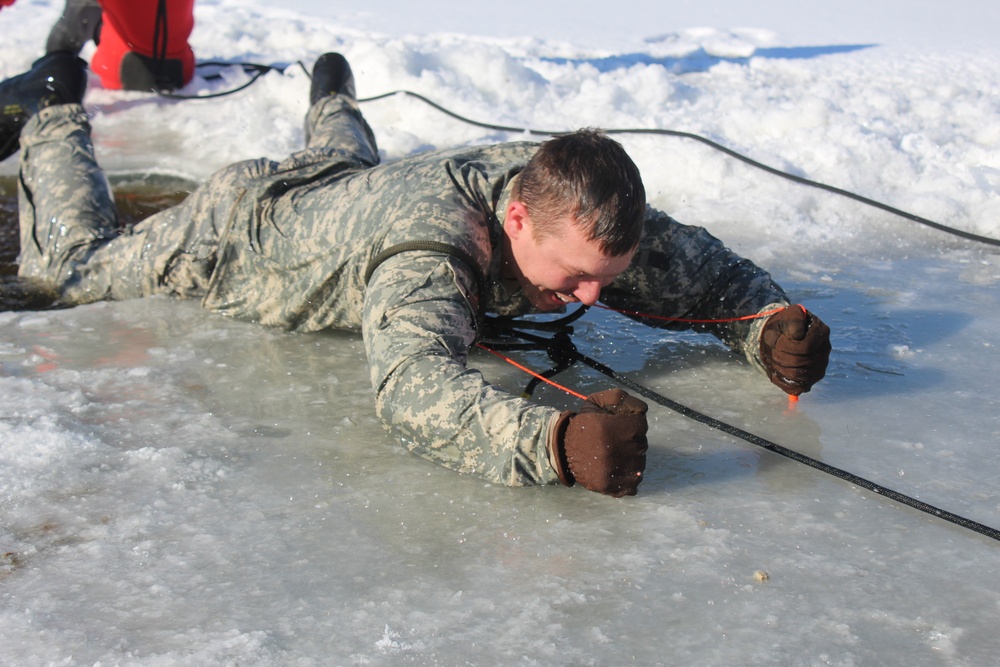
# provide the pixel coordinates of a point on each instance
(178, 488)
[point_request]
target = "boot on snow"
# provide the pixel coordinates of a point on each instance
(331, 76)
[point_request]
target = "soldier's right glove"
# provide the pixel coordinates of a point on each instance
(603, 446)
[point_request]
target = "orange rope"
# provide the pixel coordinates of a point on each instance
(532, 373)
(766, 313)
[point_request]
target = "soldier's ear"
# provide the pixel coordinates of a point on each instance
(516, 222)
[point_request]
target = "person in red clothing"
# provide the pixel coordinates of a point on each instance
(141, 44)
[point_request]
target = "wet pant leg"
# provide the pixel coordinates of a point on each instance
(64, 200)
(336, 122)
(70, 241)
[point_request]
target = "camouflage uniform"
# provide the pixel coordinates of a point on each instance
(319, 240)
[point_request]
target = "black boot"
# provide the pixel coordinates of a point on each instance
(139, 72)
(58, 78)
(331, 76)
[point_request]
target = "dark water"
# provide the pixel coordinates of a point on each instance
(136, 198)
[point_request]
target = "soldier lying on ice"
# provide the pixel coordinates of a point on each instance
(411, 254)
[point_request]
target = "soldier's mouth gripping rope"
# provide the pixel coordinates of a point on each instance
(508, 334)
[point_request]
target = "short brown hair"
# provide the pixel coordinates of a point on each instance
(589, 176)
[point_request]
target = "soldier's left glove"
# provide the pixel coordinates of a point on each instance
(795, 348)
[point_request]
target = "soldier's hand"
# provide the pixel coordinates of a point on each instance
(795, 348)
(603, 446)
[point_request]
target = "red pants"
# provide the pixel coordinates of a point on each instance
(144, 44)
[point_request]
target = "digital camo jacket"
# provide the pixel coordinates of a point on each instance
(320, 241)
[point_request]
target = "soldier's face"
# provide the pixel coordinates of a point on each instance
(560, 267)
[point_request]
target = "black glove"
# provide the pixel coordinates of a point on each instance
(795, 348)
(603, 446)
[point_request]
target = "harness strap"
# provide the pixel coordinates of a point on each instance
(445, 249)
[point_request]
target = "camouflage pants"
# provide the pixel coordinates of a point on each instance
(70, 238)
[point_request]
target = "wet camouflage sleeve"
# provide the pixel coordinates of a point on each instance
(682, 271)
(418, 328)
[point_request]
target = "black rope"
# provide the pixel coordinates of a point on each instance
(564, 353)
(260, 70)
(499, 326)
(255, 70)
(500, 334)
(717, 146)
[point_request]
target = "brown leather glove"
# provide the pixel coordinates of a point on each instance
(795, 348)
(603, 446)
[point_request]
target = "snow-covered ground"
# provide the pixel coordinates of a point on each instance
(177, 488)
